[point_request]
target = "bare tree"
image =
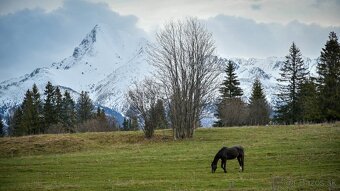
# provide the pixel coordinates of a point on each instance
(186, 68)
(142, 100)
(233, 112)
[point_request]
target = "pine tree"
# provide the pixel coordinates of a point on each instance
(58, 99)
(101, 116)
(125, 124)
(329, 79)
(259, 109)
(49, 105)
(293, 74)
(68, 114)
(230, 86)
(37, 111)
(15, 122)
(1, 128)
(84, 107)
(27, 121)
(308, 101)
(98, 114)
(231, 110)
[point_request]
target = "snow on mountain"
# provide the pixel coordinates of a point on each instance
(104, 64)
(107, 61)
(267, 70)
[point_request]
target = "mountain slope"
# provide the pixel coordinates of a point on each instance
(101, 65)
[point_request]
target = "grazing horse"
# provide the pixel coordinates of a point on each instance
(228, 154)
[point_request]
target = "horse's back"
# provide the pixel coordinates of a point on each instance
(239, 148)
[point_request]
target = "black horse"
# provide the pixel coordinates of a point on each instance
(228, 154)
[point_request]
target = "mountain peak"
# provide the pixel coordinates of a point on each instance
(86, 44)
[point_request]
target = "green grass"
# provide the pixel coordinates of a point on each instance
(277, 158)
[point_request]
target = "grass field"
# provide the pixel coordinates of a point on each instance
(276, 158)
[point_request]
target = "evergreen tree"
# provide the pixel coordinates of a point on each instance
(58, 99)
(126, 125)
(68, 114)
(259, 109)
(15, 122)
(84, 107)
(329, 79)
(230, 86)
(37, 111)
(99, 113)
(27, 120)
(231, 110)
(1, 128)
(308, 101)
(49, 105)
(293, 74)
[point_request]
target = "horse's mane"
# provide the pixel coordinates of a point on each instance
(222, 149)
(219, 154)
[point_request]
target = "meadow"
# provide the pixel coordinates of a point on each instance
(300, 157)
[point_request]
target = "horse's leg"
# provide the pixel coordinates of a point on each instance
(223, 165)
(240, 163)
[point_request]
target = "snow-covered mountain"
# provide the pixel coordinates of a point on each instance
(106, 62)
(267, 70)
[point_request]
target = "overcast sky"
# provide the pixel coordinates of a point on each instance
(35, 33)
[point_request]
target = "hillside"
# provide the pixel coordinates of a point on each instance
(277, 158)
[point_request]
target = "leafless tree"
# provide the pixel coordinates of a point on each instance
(142, 99)
(233, 112)
(183, 56)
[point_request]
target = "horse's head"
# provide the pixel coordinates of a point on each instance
(213, 167)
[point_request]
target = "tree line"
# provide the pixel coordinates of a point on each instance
(185, 80)
(307, 99)
(57, 113)
(301, 98)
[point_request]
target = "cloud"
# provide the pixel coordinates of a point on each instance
(152, 13)
(36, 35)
(12, 6)
(240, 37)
(33, 38)
(256, 6)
